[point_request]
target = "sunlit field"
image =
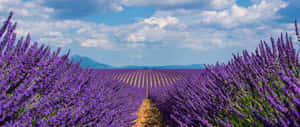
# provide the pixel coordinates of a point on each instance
(41, 88)
(142, 78)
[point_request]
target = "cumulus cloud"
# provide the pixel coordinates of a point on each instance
(162, 22)
(97, 42)
(235, 16)
(180, 28)
(36, 19)
(209, 39)
(55, 38)
(181, 4)
(55, 34)
(234, 26)
(264, 11)
(60, 42)
(204, 30)
(25, 9)
(75, 9)
(46, 32)
(150, 34)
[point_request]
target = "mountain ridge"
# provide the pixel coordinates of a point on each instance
(86, 61)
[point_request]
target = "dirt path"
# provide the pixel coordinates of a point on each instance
(149, 115)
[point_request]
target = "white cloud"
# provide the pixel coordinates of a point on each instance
(136, 37)
(195, 46)
(81, 30)
(25, 9)
(177, 4)
(208, 39)
(220, 4)
(76, 9)
(235, 16)
(97, 42)
(217, 41)
(33, 18)
(60, 42)
(150, 34)
(56, 34)
(56, 38)
(243, 26)
(162, 22)
(181, 28)
(116, 7)
(262, 27)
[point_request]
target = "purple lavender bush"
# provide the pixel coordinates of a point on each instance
(38, 88)
(261, 89)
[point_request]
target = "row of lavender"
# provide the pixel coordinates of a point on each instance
(261, 89)
(38, 88)
(145, 77)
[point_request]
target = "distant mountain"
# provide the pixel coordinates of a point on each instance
(86, 61)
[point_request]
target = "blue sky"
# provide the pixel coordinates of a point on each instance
(153, 32)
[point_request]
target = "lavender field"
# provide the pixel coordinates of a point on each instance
(40, 88)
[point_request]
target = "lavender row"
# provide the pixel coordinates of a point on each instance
(40, 88)
(257, 89)
(148, 77)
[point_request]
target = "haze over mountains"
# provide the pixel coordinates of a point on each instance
(86, 61)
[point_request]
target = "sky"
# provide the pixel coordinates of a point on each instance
(153, 32)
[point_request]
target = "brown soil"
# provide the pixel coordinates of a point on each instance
(149, 115)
